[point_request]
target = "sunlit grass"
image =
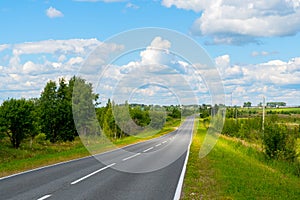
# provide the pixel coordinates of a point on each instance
(234, 170)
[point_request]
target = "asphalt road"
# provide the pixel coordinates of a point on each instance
(147, 170)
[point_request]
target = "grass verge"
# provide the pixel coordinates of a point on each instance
(44, 153)
(235, 171)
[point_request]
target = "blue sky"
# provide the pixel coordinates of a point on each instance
(255, 44)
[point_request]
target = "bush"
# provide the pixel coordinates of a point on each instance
(41, 138)
(231, 127)
(279, 142)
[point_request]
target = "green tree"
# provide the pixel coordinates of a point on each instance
(17, 120)
(247, 104)
(56, 110)
(49, 112)
(67, 130)
(84, 102)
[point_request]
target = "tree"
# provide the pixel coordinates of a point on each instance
(17, 120)
(48, 105)
(56, 111)
(67, 130)
(83, 106)
(247, 104)
(276, 104)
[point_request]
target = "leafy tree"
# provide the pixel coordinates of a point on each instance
(83, 106)
(176, 113)
(67, 130)
(247, 104)
(17, 120)
(56, 110)
(276, 104)
(48, 105)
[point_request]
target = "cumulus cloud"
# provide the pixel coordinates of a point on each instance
(275, 79)
(236, 22)
(77, 46)
(32, 64)
(3, 47)
(53, 13)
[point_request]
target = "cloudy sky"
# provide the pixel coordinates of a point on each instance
(254, 44)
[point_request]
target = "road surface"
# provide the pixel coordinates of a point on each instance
(147, 170)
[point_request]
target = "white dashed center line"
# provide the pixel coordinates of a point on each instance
(158, 145)
(91, 174)
(164, 141)
(45, 197)
(131, 156)
(147, 150)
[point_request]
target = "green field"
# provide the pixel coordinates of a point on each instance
(236, 169)
(287, 110)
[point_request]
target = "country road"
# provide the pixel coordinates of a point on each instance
(147, 170)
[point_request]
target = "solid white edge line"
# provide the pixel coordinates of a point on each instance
(147, 149)
(44, 167)
(93, 173)
(180, 182)
(131, 157)
(44, 197)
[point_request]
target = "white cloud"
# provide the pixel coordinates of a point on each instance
(262, 53)
(3, 47)
(32, 64)
(195, 5)
(53, 13)
(236, 22)
(275, 79)
(77, 46)
(29, 67)
(132, 6)
(157, 52)
(106, 1)
(156, 76)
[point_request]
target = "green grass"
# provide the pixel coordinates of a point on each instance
(44, 153)
(235, 170)
(41, 154)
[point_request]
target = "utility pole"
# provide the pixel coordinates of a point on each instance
(263, 119)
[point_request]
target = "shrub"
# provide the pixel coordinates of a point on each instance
(231, 127)
(279, 142)
(41, 138)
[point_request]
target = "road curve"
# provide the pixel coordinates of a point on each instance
(147, 170)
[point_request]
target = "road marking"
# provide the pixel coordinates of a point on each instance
(158, 145)
(131, 156)
(93, 173)
(181, 178)
(45, 197)
(164, 141)
(148, 149)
